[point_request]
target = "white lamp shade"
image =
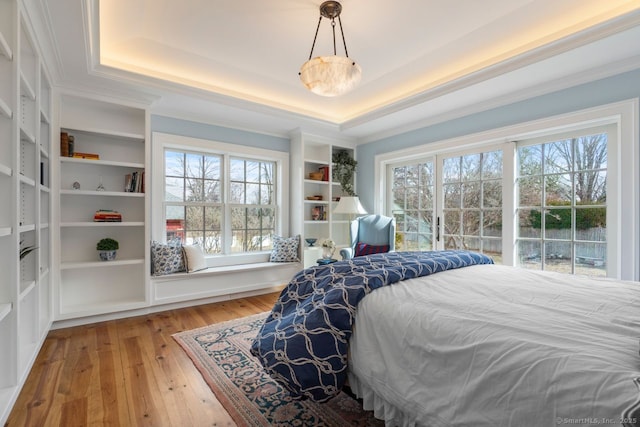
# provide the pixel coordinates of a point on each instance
(349, 205)
(330, 75)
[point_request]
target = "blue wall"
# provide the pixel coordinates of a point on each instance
(617, 88)
(613, 89)
(217, 133)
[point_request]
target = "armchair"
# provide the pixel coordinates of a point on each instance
(369, 234)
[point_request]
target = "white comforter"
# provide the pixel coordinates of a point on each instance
(496, 346)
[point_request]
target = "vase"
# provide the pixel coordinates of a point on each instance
(107, 255)
(327, 253)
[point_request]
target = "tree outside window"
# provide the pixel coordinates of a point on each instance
(198, 211)
(562, 208)
(472, 205)
(413, 206)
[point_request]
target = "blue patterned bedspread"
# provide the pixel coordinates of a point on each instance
(304, 340)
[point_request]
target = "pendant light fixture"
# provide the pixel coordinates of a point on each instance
(331, 75)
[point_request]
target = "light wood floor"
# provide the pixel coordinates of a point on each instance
(127, 372)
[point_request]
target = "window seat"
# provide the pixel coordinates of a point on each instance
(227, 280)
(210, 271)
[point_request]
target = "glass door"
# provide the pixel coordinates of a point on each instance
(412, 202)
(471, 211)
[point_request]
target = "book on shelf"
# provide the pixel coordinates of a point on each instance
(64, 144)
(88, 156)
(325, 172)
(67, 144)
(107, 215)
(134, 182)
(318, 213)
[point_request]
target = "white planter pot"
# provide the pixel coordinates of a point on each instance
(107, 255)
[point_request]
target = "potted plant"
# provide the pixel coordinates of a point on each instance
(344, 166)
(328, 248)
(107, 248)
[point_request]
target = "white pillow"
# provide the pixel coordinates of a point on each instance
(194, 258)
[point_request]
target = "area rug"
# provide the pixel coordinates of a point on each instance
(247, 392)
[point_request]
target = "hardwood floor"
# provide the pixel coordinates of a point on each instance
(127, 372)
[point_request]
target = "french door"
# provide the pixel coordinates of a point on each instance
(465, 212)
(471, 208)
(541, 203)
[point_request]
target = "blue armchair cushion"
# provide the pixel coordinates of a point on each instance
(366, 249)
(377, 231)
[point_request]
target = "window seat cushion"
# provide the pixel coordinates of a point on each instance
(227, 269)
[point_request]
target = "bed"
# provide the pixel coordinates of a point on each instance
(488, 345)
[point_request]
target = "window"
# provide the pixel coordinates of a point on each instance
(413, 206)
(195, 208)
(252, 204)
(562, 204)
(226, 198)
(193, 199)
(472, 205)
(557, 194)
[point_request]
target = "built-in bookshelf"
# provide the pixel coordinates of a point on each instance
(25, 141)
(103, 171)
(316, 193)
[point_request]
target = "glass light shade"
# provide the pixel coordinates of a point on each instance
(330, 75)
(349, 205)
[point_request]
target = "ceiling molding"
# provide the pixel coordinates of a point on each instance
(548, 87)
(467, 84)
(438, 89)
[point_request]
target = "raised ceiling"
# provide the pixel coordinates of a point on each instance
(422, 61)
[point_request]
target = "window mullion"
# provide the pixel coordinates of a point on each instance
(438, 162)
(509, 204)
(226, 198)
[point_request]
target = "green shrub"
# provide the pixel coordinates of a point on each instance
(561, 218)
(107, 244)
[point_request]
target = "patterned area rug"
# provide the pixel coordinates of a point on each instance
(252, 398)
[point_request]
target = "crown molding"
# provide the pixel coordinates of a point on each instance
(549, 50)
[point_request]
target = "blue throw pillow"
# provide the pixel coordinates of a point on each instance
(285, 249)
(166, 258)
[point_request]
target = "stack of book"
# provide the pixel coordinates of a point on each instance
(134, 182)
(106, 215)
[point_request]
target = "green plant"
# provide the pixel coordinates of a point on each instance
(559, 218)
(107, 244)
(344, 166)
(26, 250)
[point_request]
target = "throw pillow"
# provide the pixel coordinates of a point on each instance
(366, 249)
(166, 258)
(194, 258)
(285, 249)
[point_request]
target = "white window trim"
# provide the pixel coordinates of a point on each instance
(162, 141)
(625, 174)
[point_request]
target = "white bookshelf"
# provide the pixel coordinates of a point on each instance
(116, 134)
(25, 289)
(315, 153)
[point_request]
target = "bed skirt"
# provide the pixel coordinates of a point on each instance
(383, 410)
